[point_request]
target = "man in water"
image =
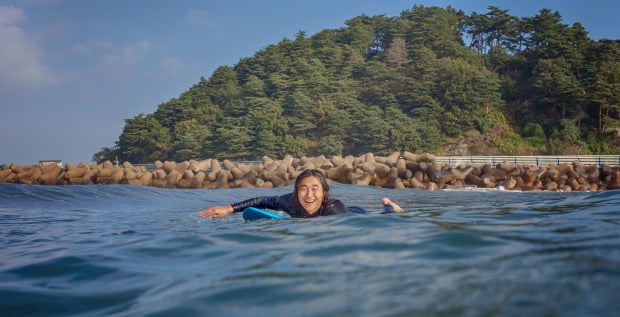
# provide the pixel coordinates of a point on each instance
(309, 199)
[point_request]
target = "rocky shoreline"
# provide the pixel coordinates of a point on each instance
(399, 170)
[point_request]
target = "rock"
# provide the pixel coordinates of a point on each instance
(188, 174)
(432, 172)
(341, 173)
(462, 173)
(614, 181)
(446, 177)
(398, 170)
(392, 159)
(410, 156)
(169, 166)
(228, 165)
(147, 179)
(432, 186)
(172, 178)
(7, 176)
(132, 174)
(550, 186)
(81, 181)
(161, 183)
(159, 174)
(360, 179)
(266, 160)
(215, 168)
(237, 173)
(592, 173)
(184, 183)
(487, 182)
(473, 179)
(198, 180)
(398, 184)
(510, 183)
(415, 183)
(381, 170)
(182, 167)
(203, 165)
(51, 175)
(529, 177)
(135, 182)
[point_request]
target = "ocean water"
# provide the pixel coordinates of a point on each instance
(122, 250)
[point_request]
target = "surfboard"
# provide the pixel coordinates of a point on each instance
(251, 213)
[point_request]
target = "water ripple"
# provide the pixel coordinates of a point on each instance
(126, 251)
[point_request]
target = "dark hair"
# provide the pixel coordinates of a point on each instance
(316, 173)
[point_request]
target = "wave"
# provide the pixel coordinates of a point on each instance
(125, 250)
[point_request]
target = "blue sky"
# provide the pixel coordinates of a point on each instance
(71, 71)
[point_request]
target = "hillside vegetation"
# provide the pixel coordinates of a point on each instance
(418, 82)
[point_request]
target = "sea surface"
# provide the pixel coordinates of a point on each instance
(124, 250)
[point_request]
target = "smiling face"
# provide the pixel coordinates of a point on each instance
(310, 194)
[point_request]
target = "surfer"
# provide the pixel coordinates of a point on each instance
(309, 199)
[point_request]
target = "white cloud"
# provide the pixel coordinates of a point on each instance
(199, 18)
(172, 66)
(127, 55)
(41, 3)
(91, 47)
(10, 15)
(20, 58)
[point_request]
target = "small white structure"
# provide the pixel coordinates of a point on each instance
(51, 162)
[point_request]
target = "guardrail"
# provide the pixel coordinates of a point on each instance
(613, 160)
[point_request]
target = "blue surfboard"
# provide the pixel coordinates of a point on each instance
(252, 213)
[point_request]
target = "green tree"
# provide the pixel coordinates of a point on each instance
(106, 154)
(402, 133)
(604, 85)
(174, 111)
(382, 84)
(232, 141)
(501, 26)
(267, 125)
(327, 50)
(371, 134)
(330, 145)
(224, 89)
(436, 28)
(358, 35)
(254, 87)
(299, 113)
(192, 140)
(295, 146)
(144, 140)
(465, 93)
(478, 26)
(547, 38)
(557, 90)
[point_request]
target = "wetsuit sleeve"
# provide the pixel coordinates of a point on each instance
(335, 207)
(387, 209)
(269, 202)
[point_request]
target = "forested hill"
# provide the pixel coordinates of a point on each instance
(415, 82)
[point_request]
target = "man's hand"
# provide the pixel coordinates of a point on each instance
(217, 211)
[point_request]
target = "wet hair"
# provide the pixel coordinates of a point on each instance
(308, 173)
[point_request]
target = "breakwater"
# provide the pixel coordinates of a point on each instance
(398, 170)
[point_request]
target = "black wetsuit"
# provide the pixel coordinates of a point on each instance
(287, 204)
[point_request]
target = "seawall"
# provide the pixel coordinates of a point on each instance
(398, 170)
